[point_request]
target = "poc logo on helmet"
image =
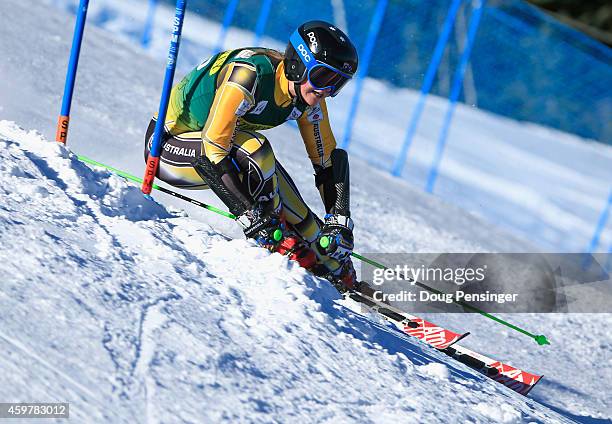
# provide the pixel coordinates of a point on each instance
(304, 52)
(313, 40)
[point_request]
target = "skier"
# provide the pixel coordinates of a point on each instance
(212, 140)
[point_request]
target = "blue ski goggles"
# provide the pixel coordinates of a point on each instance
(320, 75)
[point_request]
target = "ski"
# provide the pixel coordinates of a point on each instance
(445, 341)
(516, 379)
(428, 332)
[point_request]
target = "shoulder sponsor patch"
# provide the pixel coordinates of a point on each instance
(295, 114)
(219, 62)
(204, 64)
(245, 54)
(259, 108)
(315, 114)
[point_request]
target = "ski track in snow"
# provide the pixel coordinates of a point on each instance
(32, 354)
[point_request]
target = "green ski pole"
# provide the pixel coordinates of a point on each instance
(540, 339)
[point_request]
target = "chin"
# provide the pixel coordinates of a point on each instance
(309, 96)
(313, 101)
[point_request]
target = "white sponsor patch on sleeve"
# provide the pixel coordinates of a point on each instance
(295, 114)
(315, 114)
(243, 107)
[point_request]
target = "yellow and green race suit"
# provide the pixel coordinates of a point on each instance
(218, 109)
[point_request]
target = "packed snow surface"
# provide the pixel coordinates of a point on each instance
(137, 312)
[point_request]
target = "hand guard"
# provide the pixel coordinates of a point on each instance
(336, 237)
(266, 228)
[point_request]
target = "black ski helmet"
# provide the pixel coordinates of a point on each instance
(328, 44)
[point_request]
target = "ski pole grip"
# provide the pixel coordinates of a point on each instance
(324, 242)
(277, 235)
(328, 245)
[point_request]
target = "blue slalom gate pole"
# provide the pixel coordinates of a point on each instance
(362, 72)
(148, 26)
(601, 224)
(154, 153)
(264, 13)
(456, 90)
(61, 134)
(227, 20)
(449, 22)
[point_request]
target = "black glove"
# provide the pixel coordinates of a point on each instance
(266, 228)
(336, 237)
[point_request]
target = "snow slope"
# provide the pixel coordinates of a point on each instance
(78, 310)
(204, 338)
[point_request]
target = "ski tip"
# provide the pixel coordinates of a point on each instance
(530, 388)
(541, 340)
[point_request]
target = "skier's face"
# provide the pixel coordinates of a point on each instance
(311, 96)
